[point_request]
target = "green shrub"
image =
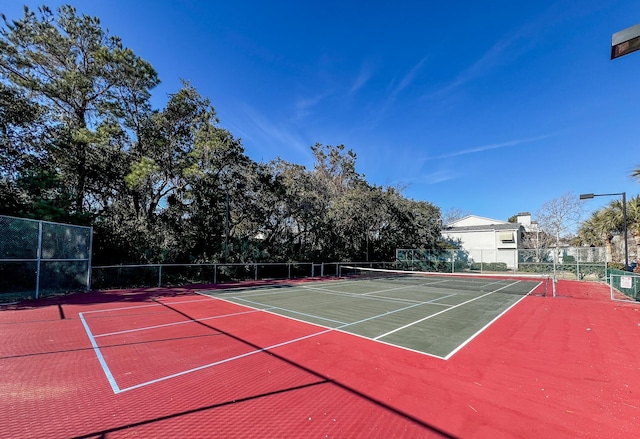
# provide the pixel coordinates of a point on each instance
(489, 266)
(536, 267)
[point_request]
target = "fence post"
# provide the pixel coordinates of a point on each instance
(453, 262)
(215, 273)
(255, 272)
(322, 269)
(89, 260)
(39, 258)
(312, 269)
(159, 275)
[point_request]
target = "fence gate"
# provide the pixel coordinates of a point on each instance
(40, 258)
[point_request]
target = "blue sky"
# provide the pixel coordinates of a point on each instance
(491, 107)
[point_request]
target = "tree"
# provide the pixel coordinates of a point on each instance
(633, 219)
(219, 178)
(597, 230)
(85, 79)
(334, 169)
(81, 143)
(603, 224)
(560, 216)
(17, 146)
(454, 214)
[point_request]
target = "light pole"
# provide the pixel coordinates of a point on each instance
(622, 43)
(624, 216)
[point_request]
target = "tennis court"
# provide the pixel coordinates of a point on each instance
(429, 313)
(373, 355)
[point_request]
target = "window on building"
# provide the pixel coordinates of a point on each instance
(507, 237)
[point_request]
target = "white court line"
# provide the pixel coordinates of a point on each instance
(487, 325)
(139, 306)
(247, 291)
(101, 360)
(263, 293)
(116, 389)
(340, 328)
(406, 287)
(394, 311)
(444, 310)
(345, 325)
(105, 368)
(145, 328)
(381, 298)
(114, 385)
(287, 310)
(359, 296)
(226, 360)
(322, 290)
(356, 294)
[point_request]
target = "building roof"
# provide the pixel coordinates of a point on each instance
(475, 220)
(505, 226)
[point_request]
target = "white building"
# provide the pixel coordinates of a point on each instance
(489, 240)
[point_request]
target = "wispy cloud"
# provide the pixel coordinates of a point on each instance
(436, 177)
(502, 52)
(489, 147)
(378, 112)
(439, 176)
(303, 106)
(407, 79)
(362, 79)
(265, 135)
(487, 62)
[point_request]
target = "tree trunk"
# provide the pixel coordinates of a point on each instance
(636, 235)
(608, 244)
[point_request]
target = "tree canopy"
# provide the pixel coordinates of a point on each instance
(606, 223)
(81, 142)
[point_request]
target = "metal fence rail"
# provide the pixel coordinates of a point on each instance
(40, 258)
(133, 276)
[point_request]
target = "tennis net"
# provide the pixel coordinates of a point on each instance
(508, 284)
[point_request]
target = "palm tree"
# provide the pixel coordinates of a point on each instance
(633, 220)
(597, 231)
(603, 224)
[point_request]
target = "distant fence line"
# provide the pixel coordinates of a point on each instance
(162, 275)
(566, 262)
(40, 258)
(130, 276)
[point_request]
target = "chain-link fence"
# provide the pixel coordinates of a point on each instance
(624, 285)
(565, 262)
(39, 258)
(132, 276)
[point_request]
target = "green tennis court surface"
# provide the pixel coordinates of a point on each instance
(436, 315)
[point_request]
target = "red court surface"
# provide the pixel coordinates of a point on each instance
(81, 366)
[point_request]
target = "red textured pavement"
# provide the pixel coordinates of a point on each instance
(550, 367)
